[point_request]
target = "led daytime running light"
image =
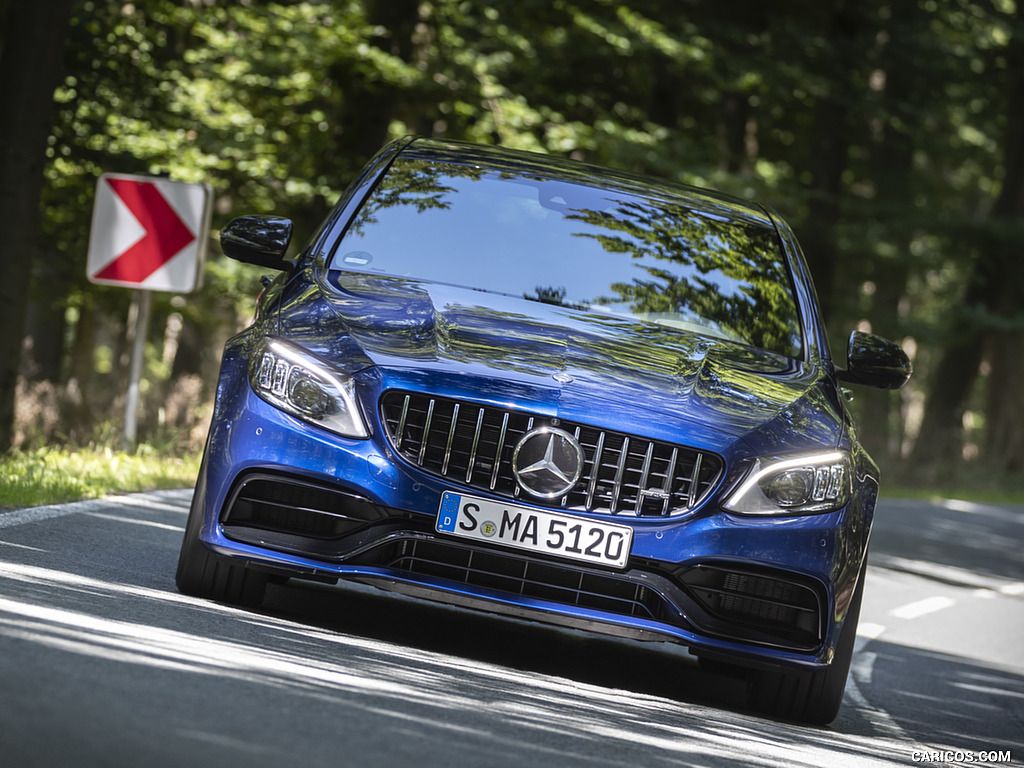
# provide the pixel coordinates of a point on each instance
(301, 386)
(802, 485)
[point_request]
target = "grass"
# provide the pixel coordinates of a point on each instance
(55, 475)
(966, 481)
(969, 492)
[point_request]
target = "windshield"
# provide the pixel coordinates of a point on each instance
(575, 245)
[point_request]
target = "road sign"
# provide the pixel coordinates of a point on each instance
(148, 233)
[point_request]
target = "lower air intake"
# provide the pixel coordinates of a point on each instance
(293, 507)
(759, 605)
(506, 572)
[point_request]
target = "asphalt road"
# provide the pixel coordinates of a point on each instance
(103, 663)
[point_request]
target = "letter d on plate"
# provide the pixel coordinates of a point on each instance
(449, 512)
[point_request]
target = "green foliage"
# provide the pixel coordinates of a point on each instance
(877, 128)
(51, 475)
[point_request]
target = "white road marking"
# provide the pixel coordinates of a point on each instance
(947, 573)
(149, 523)
(870, 631)
(176, 501)
(861, 670)
(920, 608)
(866, 632)
(20, 546)
(996, 512)
(35, 514)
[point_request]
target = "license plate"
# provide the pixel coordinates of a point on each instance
(533, 530)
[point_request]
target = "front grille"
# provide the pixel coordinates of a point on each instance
(472, 444)
(527, 577)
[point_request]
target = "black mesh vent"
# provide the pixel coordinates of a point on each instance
(759, 605)
(472, 445)
(297, 508)
(515, 574)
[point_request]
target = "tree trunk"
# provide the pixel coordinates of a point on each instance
(892, 170)
(937, 449)
(830, 156)
(1004, 445)
(370, 104)
(31, 61)
(44, 341)
(735, 117)
(995, 292)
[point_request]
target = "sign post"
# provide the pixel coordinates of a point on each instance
(143, 300)
(150, 234)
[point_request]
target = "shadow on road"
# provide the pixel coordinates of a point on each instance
(966, 706)
(963, 704)
(983, 540)
(404, 681)
(657, 669)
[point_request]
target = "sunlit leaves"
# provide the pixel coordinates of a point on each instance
(277, 105)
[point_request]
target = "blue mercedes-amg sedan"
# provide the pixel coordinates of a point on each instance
(556, 392)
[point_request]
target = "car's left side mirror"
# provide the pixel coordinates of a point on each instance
(259, 240)
(875, 362)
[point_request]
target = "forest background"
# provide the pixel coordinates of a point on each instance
(890, 133)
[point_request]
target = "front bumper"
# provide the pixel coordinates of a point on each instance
(279, 495)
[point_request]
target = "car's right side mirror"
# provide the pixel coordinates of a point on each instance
(875, 362)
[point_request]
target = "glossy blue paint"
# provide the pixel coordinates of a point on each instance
(731, 386)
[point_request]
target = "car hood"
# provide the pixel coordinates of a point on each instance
(561, 354)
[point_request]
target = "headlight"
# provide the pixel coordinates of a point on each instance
(799, 486)
(297, 383)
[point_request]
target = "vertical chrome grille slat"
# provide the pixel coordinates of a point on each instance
(595, 472)
(619, 472)
(517, 491)
(670, 476)
(426, 432)
(624, 474)
(476, 442)
(497, 453)
(644, 473)
(565, 499)
(694, 484)
(401, 423)
(451, 436)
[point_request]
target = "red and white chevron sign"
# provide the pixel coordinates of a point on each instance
(148, 233)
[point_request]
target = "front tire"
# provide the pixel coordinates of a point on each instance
(811, 697)
(201, 573)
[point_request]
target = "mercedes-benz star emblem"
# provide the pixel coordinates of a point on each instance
(547, 462)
